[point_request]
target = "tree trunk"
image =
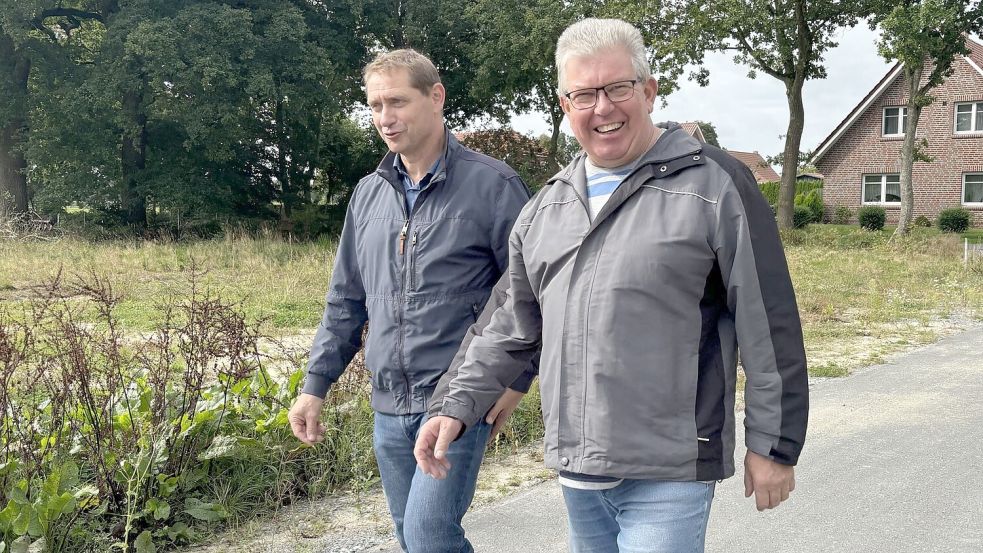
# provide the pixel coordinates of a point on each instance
(13, 176)
(283, 169)
(134, 158)
(914, 78)
(793, 139)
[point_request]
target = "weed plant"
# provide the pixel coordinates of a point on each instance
(110, 441)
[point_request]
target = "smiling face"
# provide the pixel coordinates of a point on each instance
(408, 120)
(612, 134)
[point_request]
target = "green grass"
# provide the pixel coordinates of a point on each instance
(860, 295)
(275, 280)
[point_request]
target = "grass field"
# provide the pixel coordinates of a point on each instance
(860, 296)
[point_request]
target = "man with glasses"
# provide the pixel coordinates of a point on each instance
(424, 241)
(640, 269)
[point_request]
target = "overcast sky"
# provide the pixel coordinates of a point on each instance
(751, 114)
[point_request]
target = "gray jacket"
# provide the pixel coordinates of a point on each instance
(420, 279)
(640, 314)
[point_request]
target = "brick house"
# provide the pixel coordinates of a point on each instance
(861, 158)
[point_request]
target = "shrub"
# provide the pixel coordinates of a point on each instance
(872, 217)
(813, 201)
(770, 189)
(922, 221)
(954, 219)
(842, 215)
(802, 216)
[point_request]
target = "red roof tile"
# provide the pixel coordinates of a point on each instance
(761, 169)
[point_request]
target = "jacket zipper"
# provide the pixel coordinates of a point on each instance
(416, 233)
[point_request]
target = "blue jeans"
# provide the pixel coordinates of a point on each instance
(640, 516)
(427, 512)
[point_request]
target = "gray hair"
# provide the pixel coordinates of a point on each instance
(592, 36)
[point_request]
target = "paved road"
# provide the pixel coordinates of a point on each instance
(893, 463)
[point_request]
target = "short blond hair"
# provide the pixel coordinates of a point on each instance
(423, 73)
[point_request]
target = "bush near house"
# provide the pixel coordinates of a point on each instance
(923, 221)
(841, 215)
(802, 216)
(954, 219)
(872, 217)
(812, 201)
(770, 189)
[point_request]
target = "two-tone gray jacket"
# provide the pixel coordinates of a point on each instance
(419, 278)
(640, 313)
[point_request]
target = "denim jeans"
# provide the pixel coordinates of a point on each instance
(640, 516)
(427, 512)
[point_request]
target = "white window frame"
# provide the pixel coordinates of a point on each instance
(902, 121)
(883, 176)
(962, 197)
(977, 106)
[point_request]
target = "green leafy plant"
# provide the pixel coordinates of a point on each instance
(802, 216)
(842, 215)
(953, 219)
(872, 217)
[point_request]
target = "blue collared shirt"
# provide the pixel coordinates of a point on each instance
(413, 189)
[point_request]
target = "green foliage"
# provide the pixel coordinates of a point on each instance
(185, 430)
(953, 219)
(770, 190)
(802, 216)
(842, 215)
(526, 155)
(923, 221)
(872, 217)
(709, 132)
(813, 201)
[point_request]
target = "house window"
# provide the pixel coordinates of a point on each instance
(969, 117)
(882, 189)
(973, 188)
(894, 121)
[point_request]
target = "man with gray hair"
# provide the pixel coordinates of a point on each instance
(424, 241)
(642, 268)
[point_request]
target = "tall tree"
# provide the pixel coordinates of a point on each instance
(925, 37)
(785, 39)
(30, 31)
(709, 132)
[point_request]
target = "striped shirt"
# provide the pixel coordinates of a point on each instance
(601, 183)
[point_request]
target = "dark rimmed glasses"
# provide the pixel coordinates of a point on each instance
(586, 98)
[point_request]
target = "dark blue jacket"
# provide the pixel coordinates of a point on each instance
(420, 279)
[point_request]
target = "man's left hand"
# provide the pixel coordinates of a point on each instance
(770, 482)
(502, 410)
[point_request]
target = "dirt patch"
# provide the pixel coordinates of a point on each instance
(350, 523)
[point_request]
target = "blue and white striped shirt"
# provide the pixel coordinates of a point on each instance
(601, 183)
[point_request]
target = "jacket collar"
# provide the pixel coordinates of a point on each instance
(674, 151)
(387, 168)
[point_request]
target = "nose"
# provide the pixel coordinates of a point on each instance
(387, 117)
(604, 104)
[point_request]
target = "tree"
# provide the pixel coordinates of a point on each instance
(30, 31)
(785, 39)
(925, 37)
(709, 133)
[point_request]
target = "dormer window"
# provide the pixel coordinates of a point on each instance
(894, 121)
(969, 118)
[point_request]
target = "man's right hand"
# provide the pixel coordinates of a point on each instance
(434, 438)
(304, 419)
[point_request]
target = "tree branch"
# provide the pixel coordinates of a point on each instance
(70, 12)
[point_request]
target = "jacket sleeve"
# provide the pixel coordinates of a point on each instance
(515, 195)
(520, 384)
(339, 336)
(498, 354)
(769, 333)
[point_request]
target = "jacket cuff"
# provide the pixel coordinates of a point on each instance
(762, 445)
(522, 383)
(459, 412)
(316, 385)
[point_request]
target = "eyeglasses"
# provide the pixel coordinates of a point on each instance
(586, 98)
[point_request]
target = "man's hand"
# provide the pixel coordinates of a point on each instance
(770, 482)
(434, 438)
(502, 410)
(304, 419)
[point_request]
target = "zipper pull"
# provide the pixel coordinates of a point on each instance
(402, 237)
(415, 234)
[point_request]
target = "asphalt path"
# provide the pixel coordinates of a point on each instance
(892, 463)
